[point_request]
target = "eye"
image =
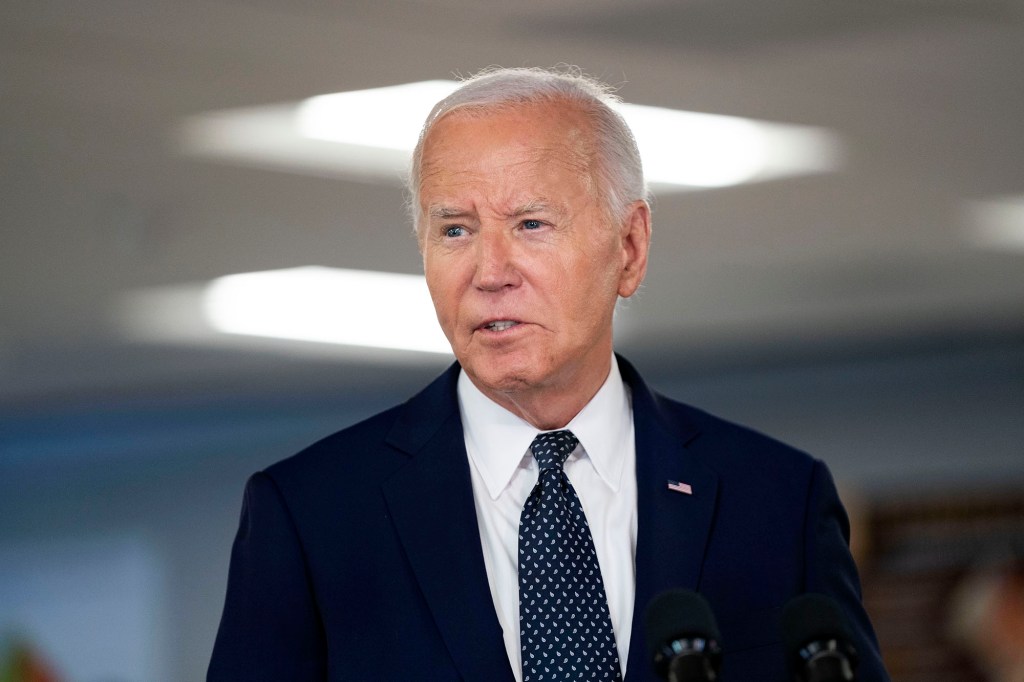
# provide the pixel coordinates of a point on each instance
(532, 224)
(454, 231)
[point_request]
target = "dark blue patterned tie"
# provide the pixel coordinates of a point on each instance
(565, 628)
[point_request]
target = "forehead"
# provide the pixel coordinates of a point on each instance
(506, 149)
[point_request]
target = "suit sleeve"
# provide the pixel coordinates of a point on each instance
(271, 627)
(830, 569)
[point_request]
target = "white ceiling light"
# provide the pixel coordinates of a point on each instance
(997, 224)
(389, 118)
(327, 305)
(372, 133)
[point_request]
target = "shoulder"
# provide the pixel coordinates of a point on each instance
(372, 449)
(339, 448)
(725, 442)
(749, 463)
(337, 472)
(720, 444)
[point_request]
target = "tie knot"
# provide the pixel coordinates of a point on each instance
(551, 449)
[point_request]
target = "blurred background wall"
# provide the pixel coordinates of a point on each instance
(866, 307)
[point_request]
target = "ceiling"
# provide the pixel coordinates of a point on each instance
(97, 201)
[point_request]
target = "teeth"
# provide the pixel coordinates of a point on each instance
(501, 325)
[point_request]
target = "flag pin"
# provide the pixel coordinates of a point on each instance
(680, 487)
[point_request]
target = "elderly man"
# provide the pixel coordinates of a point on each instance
(512, 520)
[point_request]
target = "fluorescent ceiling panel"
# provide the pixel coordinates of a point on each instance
(384, 118)
(997, 224)
(371, 133)
(357, 308)
(328, 305)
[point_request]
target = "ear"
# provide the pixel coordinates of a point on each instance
(635, 244)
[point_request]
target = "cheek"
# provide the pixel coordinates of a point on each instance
(599, 275)
(445, 294)
(438, 294)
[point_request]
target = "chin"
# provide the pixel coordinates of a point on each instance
(503, 382)
(502, 377)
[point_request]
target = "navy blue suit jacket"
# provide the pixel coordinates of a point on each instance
(360, 559)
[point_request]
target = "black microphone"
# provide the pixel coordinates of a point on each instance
(818, 646)
(683, 638)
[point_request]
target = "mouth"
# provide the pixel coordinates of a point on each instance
(499, 325)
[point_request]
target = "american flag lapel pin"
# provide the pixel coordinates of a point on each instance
(680, 487)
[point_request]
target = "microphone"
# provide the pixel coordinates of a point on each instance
(818, 646)
(682, 637)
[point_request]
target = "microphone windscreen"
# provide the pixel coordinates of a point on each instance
(811, 618)
(678, 614)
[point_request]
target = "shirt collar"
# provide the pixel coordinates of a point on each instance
(498, 441)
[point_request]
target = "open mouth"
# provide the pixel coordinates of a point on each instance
(500, 325)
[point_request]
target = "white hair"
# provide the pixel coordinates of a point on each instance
(619, 170)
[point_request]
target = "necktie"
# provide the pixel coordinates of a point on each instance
(566, 631)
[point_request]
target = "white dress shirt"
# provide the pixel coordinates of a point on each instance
(602, 469)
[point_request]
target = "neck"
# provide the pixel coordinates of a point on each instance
(551, 407)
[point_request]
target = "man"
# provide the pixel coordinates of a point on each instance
(513, 520)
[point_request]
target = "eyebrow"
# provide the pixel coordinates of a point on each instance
(532, 206)
(446, 212)
(538, 205)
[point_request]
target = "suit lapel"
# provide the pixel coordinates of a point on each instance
(431, 503)
(672, 527)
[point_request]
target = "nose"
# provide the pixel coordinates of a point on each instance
(495, 268)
